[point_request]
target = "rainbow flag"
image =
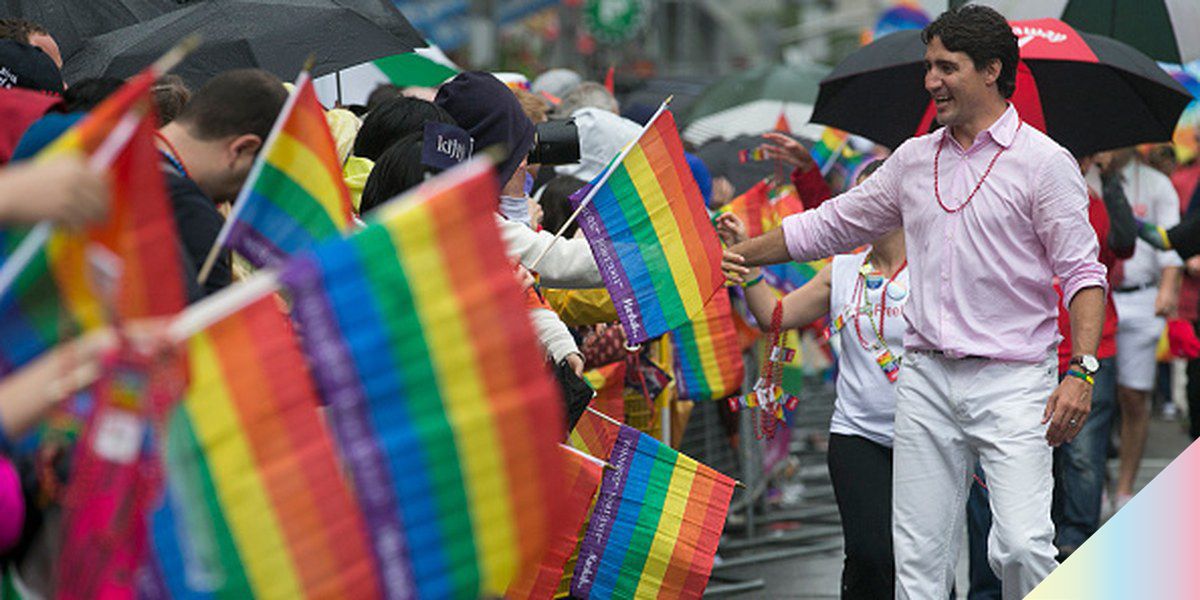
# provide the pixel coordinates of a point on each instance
(1187, 129)
(446, 416)
(295, 195)
(541, 579)
(256, 505)
(656, 524)
(708, 354)
(56, 292)
(649, 231)
(609, 383)
(594, 434)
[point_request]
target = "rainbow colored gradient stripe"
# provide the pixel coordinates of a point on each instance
(296, 195)
(438, 397)
(650, 233)
(253, 479)
(708, 355)
(656, 524)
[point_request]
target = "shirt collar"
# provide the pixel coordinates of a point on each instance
(1003, 131)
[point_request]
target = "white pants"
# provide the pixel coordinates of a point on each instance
(948, 413)
(1138, 331)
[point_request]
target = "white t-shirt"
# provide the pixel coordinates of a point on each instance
(866, 399)
(1153, 199)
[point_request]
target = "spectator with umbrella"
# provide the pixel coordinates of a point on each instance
(992, 211)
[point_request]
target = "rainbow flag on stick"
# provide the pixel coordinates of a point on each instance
(436, 388)
(51, 288)
(295, 195)
(649, 231)
(256, 504)
(541, 579)
(656, 524)
(708, 355)
(609, 383)
(595, 433)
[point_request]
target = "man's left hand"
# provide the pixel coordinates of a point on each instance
(1067, 410)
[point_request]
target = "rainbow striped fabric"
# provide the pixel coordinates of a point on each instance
(609, 383)
(708, 353)
(295, 195)
(56, 294)
(540, 580)
(656, 524)
(439, 398)
(650, 233)
(594, 434)
(257, 506)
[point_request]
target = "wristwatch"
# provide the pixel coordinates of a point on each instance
(1087, 363)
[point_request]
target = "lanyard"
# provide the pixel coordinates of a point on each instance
(172, 155)
(860, 302)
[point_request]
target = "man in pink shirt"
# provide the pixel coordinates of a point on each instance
(992, 210)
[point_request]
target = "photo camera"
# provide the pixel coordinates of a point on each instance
(555, 143)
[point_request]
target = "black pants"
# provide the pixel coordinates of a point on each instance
(861, 471)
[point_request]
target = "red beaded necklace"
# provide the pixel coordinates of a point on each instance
(937, 155)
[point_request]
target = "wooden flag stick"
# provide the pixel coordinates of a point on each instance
(201, 315)
(175, 55)
(586, 456)
(603, 179)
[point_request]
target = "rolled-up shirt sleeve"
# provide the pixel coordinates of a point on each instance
(1060, 219)
(851, 219)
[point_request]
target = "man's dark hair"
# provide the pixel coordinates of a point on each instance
(394, 119)
(238, 102)
(19, 30)
(382, 93)
(984, 35)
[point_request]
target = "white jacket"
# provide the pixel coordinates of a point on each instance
(568, 265)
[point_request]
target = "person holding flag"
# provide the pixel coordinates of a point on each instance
(992, 211)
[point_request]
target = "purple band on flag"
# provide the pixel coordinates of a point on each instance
(254, 246)
(614, 276)
(591, 547)
(341, 387)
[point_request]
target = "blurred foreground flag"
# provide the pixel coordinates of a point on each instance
(650, 233)
(256, 504)
(55, 283)
(437, 391)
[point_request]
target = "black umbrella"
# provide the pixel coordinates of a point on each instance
(1088, 92)
(275, 35)
(72, 22)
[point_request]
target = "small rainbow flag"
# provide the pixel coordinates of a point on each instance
(446, 416)
(708, 354)
(541, 579)
(594, 434)
(295, 195)
(256, 503)
(609, 383)
(55, 292)
(649, 231)
(751, 208)
(656, 524)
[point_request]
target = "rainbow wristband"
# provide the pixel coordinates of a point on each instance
(755, 281)
(1081, 375)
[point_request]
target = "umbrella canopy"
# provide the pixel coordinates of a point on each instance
(751, 102)
(1088, 92)
(274, 35)
(1166, 30)
(1187, 131)
(73, 22)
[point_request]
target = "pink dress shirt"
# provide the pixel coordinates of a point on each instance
(982, 277)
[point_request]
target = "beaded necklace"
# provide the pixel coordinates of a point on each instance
(937, 155)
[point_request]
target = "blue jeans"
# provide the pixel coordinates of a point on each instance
(1079, 466)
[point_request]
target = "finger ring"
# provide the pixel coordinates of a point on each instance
(1072, 421)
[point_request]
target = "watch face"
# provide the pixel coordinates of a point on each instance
(1090, 363)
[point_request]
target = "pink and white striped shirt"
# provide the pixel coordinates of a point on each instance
(982, 276)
